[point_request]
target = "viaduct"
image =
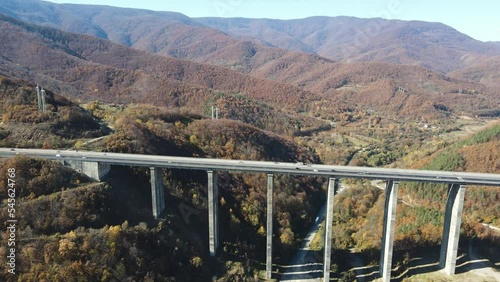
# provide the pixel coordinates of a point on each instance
(97, 165)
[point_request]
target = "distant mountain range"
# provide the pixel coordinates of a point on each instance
(316, 64)
(432, 45)
(88, 68)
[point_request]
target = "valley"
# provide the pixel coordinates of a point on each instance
(144, 82)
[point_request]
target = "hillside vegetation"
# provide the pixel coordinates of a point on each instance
(152, 130)
(433, 45)
(23, 125)
(65, 235)
(478, 153)
(379, 107)
(358, 210)
(90, 69)
(420, 216)
(72, 227)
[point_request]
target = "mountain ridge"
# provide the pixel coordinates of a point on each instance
(432, 45)
(356, 39)
(85, 54)
(89, 68)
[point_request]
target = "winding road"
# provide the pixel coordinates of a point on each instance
(306, 266)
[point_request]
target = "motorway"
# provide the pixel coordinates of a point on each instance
(463, 178)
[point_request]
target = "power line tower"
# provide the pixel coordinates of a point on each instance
(44, 104)
(39, 98)
(41, 95)
(215, 112)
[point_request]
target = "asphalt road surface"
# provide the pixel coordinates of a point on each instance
(262, 167)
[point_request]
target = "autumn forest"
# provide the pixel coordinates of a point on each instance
(149, 88)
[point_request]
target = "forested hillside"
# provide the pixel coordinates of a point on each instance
(73, 227)
(69, 229)
(420, 215)
(433, 45)
(478, 153)
(88, 68)
(160, 131)
(404, 106)
(23, 125)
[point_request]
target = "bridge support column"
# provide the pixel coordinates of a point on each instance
(332, 187)
(157, 191)
(94, 170)
(391, 201)
(213, 212)
(269, 227)
(451, 229)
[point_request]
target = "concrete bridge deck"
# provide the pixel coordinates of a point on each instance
(446, 177)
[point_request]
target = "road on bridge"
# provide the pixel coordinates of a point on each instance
(461, 178)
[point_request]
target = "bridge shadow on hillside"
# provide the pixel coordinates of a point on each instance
(311, 267)
(129, 201)
(422, 260)
(475, 259)
(426, 260)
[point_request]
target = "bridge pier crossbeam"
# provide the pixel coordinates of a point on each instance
(213, 212)
(269, 227)
(332, 187)
(391, 201)
(157, 191)
(451, 229)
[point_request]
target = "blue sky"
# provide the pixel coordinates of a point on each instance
(479, 19)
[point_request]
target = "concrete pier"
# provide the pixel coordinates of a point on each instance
(391, 201)
(157, 191)
(269, 227)
(213, 212)
(94, 170)
(332, 187)
(451, 229)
